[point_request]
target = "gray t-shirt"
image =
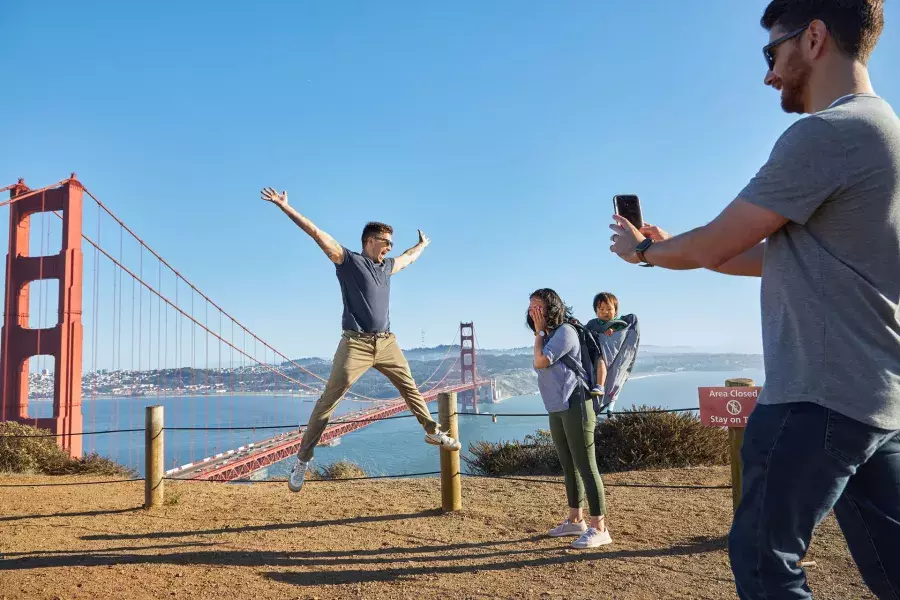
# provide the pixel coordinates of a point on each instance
(557, 382)
(366, 292)
(831, 276)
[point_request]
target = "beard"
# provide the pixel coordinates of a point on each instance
(794, 84)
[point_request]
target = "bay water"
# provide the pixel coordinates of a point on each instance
(385, 447)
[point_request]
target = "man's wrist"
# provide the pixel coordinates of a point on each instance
(640, 249)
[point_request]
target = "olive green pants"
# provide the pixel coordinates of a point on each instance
(356, 354)
(574, 441)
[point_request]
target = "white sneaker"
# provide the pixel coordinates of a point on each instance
(298, 475)
(593, 538)
(439, 438)
(568, 528)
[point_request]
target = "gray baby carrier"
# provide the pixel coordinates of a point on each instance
(618, 351)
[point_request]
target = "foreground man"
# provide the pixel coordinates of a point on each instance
(827, 203)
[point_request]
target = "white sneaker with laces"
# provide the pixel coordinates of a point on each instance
(567, 527)
(439, 438)
(593, 538)
(298, 475)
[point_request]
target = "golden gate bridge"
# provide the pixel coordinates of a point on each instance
(157, 333)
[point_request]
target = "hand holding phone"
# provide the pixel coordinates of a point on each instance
(628, 206)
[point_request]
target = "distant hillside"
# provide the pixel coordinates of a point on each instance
(439, 351)
(512, 369)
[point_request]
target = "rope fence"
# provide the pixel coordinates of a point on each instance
(524, 479)
(153, 483)
(283, 480)
(56, 435)
(605, 484)
(293, 426)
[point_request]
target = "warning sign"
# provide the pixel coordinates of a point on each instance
(727, 406)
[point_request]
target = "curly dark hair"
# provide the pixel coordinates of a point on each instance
(855, 24)
(558, 312)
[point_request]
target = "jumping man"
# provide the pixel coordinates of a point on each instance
(367, 341)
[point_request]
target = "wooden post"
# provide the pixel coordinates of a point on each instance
(153, 452)
(735, 441)
(451, 489)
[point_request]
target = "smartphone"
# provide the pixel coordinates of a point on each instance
(629, 207)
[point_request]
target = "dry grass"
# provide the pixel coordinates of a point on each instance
(378, 539)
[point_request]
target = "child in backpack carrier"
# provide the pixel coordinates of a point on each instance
(606, 307)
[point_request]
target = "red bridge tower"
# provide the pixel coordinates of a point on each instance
(467, 366)
(18, 342)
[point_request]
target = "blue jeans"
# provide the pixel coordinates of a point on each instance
(800, 461)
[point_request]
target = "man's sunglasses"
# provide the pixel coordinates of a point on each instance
(769, 49)
(389, 243)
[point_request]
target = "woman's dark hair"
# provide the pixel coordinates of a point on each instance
(606, 297)
(557, 310)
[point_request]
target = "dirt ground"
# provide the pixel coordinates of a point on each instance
(377, 539)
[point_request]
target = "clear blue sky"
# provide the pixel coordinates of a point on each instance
(502, 129)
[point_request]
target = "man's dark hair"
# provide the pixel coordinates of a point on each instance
(854, 24)
(375, 228)
(557, 310)
(606, 297)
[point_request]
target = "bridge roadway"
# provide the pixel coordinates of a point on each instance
(241, 462)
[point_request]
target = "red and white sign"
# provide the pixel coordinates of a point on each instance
(727, 406)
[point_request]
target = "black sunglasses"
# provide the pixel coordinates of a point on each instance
(769, 49)
(389, 243)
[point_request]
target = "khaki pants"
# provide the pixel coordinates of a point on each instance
(355, 355)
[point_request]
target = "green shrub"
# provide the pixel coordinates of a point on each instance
(94, 464)
(343, 469)
(536, 456)
(664, 440)
(43, 455)
(29, 455)
(631, 440)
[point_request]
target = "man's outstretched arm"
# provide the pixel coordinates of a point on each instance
(328, 244)
(731, 243)
(411, 255)
(746, 264)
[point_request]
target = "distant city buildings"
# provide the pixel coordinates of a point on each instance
(176, 382)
